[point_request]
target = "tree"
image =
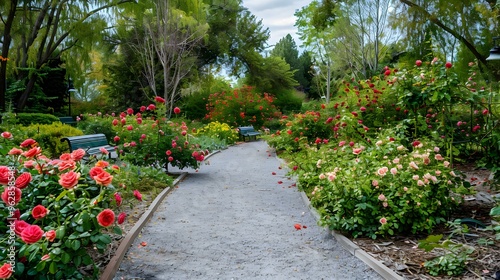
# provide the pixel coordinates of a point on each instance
(43, 31)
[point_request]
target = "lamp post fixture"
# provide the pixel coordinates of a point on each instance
(495, 51)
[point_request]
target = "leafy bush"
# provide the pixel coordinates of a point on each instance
(97, 124)
(288, 100)
(382, 188)
(242, 107)
(62, 212)
(49, 136)
(35, 118)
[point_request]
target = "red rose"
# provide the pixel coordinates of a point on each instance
(13, 193)
(32, 152)
(106, 217)
(118, 199)
(418, 63)
(448, 65)
(177, 110)
(103, 178)
(6, 271)
(28, 143)
(5, 173)
(115, 122)
(159, 99)
(39, 212)
(121, 218)
(69, 180)
(116, 139)
(31, 234)
(6, 135)
(50, 235)
(19, 226)
(15, 152)
(23, 180)
(77, 155)
(138, 195)
(66, 164)
(130, 111)
(94, 171)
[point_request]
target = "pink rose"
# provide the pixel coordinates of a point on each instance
(23, 180)
(69, 180)
(383, 221)
(39, 212)
(50, 235)
(31, 234)
(138, 195)
(78, 154)
(121, 218)
(6, 271)
(382, 197)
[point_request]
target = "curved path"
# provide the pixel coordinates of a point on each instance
(234, 219)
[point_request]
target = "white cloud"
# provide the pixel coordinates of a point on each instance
(278, 16)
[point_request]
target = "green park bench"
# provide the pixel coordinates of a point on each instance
(92, 144)
(247, 132)
(67, 120)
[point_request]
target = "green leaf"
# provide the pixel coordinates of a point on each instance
(53, 268)
(33, 254)
(117, 230)
(40, 266)
(61, 195)
(78, 261)
(56, 251)
(104, 238)
(85, 234)
(75, 244)
(65, 258)
(495, 211)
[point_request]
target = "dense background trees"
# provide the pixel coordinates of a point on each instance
(121, 53)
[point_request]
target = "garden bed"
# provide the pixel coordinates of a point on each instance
(400, 253)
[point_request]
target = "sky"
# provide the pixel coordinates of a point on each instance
(278, 16)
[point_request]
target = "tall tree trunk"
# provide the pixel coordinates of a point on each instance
(23, 98)
(7, 38)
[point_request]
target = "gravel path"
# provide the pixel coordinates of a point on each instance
(233, 219)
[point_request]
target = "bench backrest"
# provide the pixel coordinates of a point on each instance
(246, 129)
(66, 119)
(86, 141)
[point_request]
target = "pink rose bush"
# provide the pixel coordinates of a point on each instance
(56, 212)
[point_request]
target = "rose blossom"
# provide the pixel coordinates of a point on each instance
(446, 163)
(438, 172)
(33, 152)
(394, 171)
(341, 143)
(103, 178)
(15, 152)
(385, 204)
(138, 195)
(405, 189)
(4, 175)
(67, 164)
(452, 173)
(383, 221)
(45, 257)
(19, 226)
(78, 154)
(39, 212)
(395, 161)
(420, 183)
(413, 165)
(6, 197)
(31, 234)
(6, 135)
(375, 183)
(50, 235)
(121, 218)
(104, 151)
(357, 151)
(106, 217)
(102, 164)
(322, 176)
(416, 177)
(401, 148)
(28, 142)
(118, 199)
(6, 271)
(69, 180)
(382, 197)
(382, 171)
(94, 171)
(438, 157)
(23, 180)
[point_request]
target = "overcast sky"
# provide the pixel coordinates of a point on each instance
(278, 16)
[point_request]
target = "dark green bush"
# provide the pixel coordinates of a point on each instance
(288, 100)
(35, 118)
(49, 136)
(97, 125)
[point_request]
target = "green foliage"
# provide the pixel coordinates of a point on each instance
(35, 118)
(97, 124)
(49, 136)
(72, 231)
(270, 74)
(452, 263)
(288, 100)
(242, 107)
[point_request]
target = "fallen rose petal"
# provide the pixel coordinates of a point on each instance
(298, 226)
(144, 243)
(274, 173)
(280, 182)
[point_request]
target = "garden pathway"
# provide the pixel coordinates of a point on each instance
(235, 218)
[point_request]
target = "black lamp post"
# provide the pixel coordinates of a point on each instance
(495, 51)
(71, 89)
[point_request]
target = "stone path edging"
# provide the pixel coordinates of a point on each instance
(125, 244)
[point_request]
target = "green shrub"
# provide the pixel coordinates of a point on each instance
(49, 136)
(288, 100)
(221, 131)
(95, 125)
(35, 118)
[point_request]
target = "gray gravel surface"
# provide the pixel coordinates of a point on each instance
(234, 219)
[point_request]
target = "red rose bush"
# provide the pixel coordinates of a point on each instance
(56, 213)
